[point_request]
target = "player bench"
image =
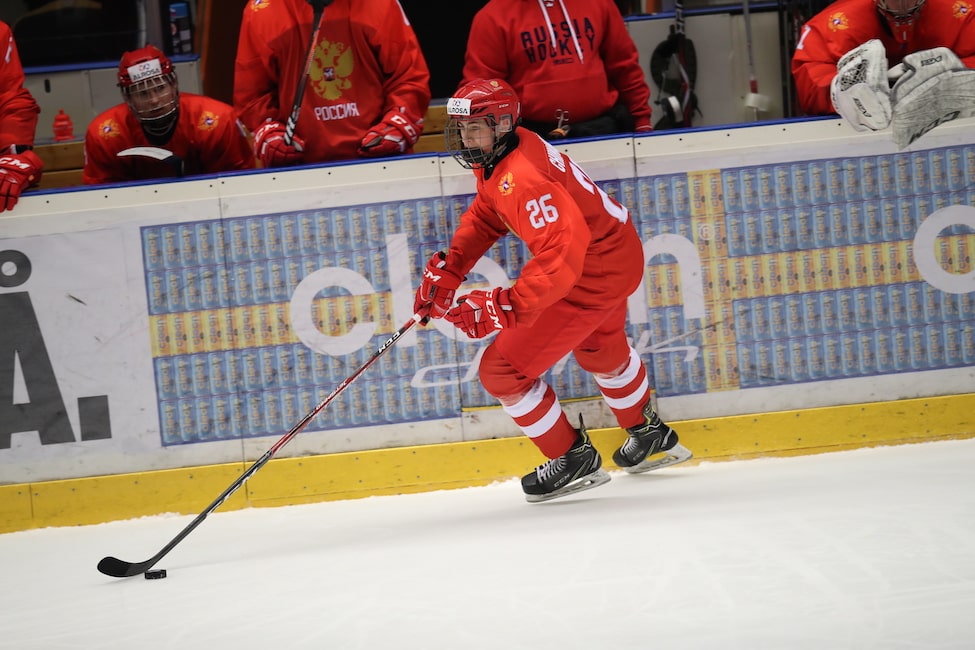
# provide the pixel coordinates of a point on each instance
(63, 161)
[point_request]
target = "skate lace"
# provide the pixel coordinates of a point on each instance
(550, 468)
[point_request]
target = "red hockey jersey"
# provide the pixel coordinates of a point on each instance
(847, 24)
(590, 67)
(367, 61)
(208, 138)
(584, 247)
(18, 110)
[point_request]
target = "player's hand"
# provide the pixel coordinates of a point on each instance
(437, 290)
(18, 171)
(643, 126)
(398, 132)
(271, 149)
(480, 313)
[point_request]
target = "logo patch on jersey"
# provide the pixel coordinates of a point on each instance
(331, 66)
(838, 21)
(961, 9)
(110, 129)
(208, 121)
(257, 5)
(506, 185)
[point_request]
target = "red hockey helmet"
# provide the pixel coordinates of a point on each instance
(490, 103)
(148, 83)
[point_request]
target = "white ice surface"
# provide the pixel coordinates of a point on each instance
(873, 548)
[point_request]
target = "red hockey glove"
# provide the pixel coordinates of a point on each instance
(271, 150)
(18, 171)
(438, 287)
(480, 313)
(398, 132)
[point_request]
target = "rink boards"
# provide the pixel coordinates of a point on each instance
(178, 325)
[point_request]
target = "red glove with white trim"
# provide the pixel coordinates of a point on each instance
(398, 132)
(438, 287)
(480, 313)
(271, 149)
(18, 171)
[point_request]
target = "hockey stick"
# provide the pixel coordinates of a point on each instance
(156, 153)
(117, 568)
(318, 7)
(754, 100)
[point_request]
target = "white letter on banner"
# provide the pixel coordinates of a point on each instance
(925, 241)
(301, 302)
(689, 268)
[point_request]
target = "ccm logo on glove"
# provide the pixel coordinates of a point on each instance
(398, 131)
(17, 173)
(480, 313)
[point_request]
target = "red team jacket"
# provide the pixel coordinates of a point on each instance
(208, 138)
(584, 247)
(367, 62)
(846, 24)
(18, 110)
(509, 40)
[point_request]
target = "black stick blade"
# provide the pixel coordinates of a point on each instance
(116, 568)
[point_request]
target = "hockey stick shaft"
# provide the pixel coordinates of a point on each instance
(116, 568)
(318, 9)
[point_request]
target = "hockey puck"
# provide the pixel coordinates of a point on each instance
(155, 575)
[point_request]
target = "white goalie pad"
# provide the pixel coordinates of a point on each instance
(942, 98)
(860, 90)
(918, 67)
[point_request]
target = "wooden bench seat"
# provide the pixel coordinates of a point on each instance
(63, 161)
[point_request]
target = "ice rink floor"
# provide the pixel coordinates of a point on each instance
(873, 548)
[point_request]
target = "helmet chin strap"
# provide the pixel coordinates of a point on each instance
(159, 129)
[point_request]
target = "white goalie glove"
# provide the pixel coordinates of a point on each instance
(860, 90)
(931, 87)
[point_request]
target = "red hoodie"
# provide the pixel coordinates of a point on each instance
(367, 62)
(572, 55)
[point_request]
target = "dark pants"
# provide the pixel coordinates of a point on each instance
(616, 120)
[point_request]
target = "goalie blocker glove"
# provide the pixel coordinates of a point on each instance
(931, 87)
(272, 150)
(860, 91)
(398, 132)
(18, 171)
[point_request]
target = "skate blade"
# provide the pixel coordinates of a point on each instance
(587, 482)
(676, 454)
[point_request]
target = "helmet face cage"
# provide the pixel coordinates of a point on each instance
(900, 12)
(154, 101)
(478, 109)
(472, 157)
(148, 83)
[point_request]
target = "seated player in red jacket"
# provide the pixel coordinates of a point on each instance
(159, 132)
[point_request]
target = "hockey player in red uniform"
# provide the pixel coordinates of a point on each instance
(849, 54)
(20, 167)
(572, 63)
(571, 296)
(202, 134)
(368, 86)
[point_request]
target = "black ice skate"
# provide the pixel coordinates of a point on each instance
(578, 469)
(650, 446)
